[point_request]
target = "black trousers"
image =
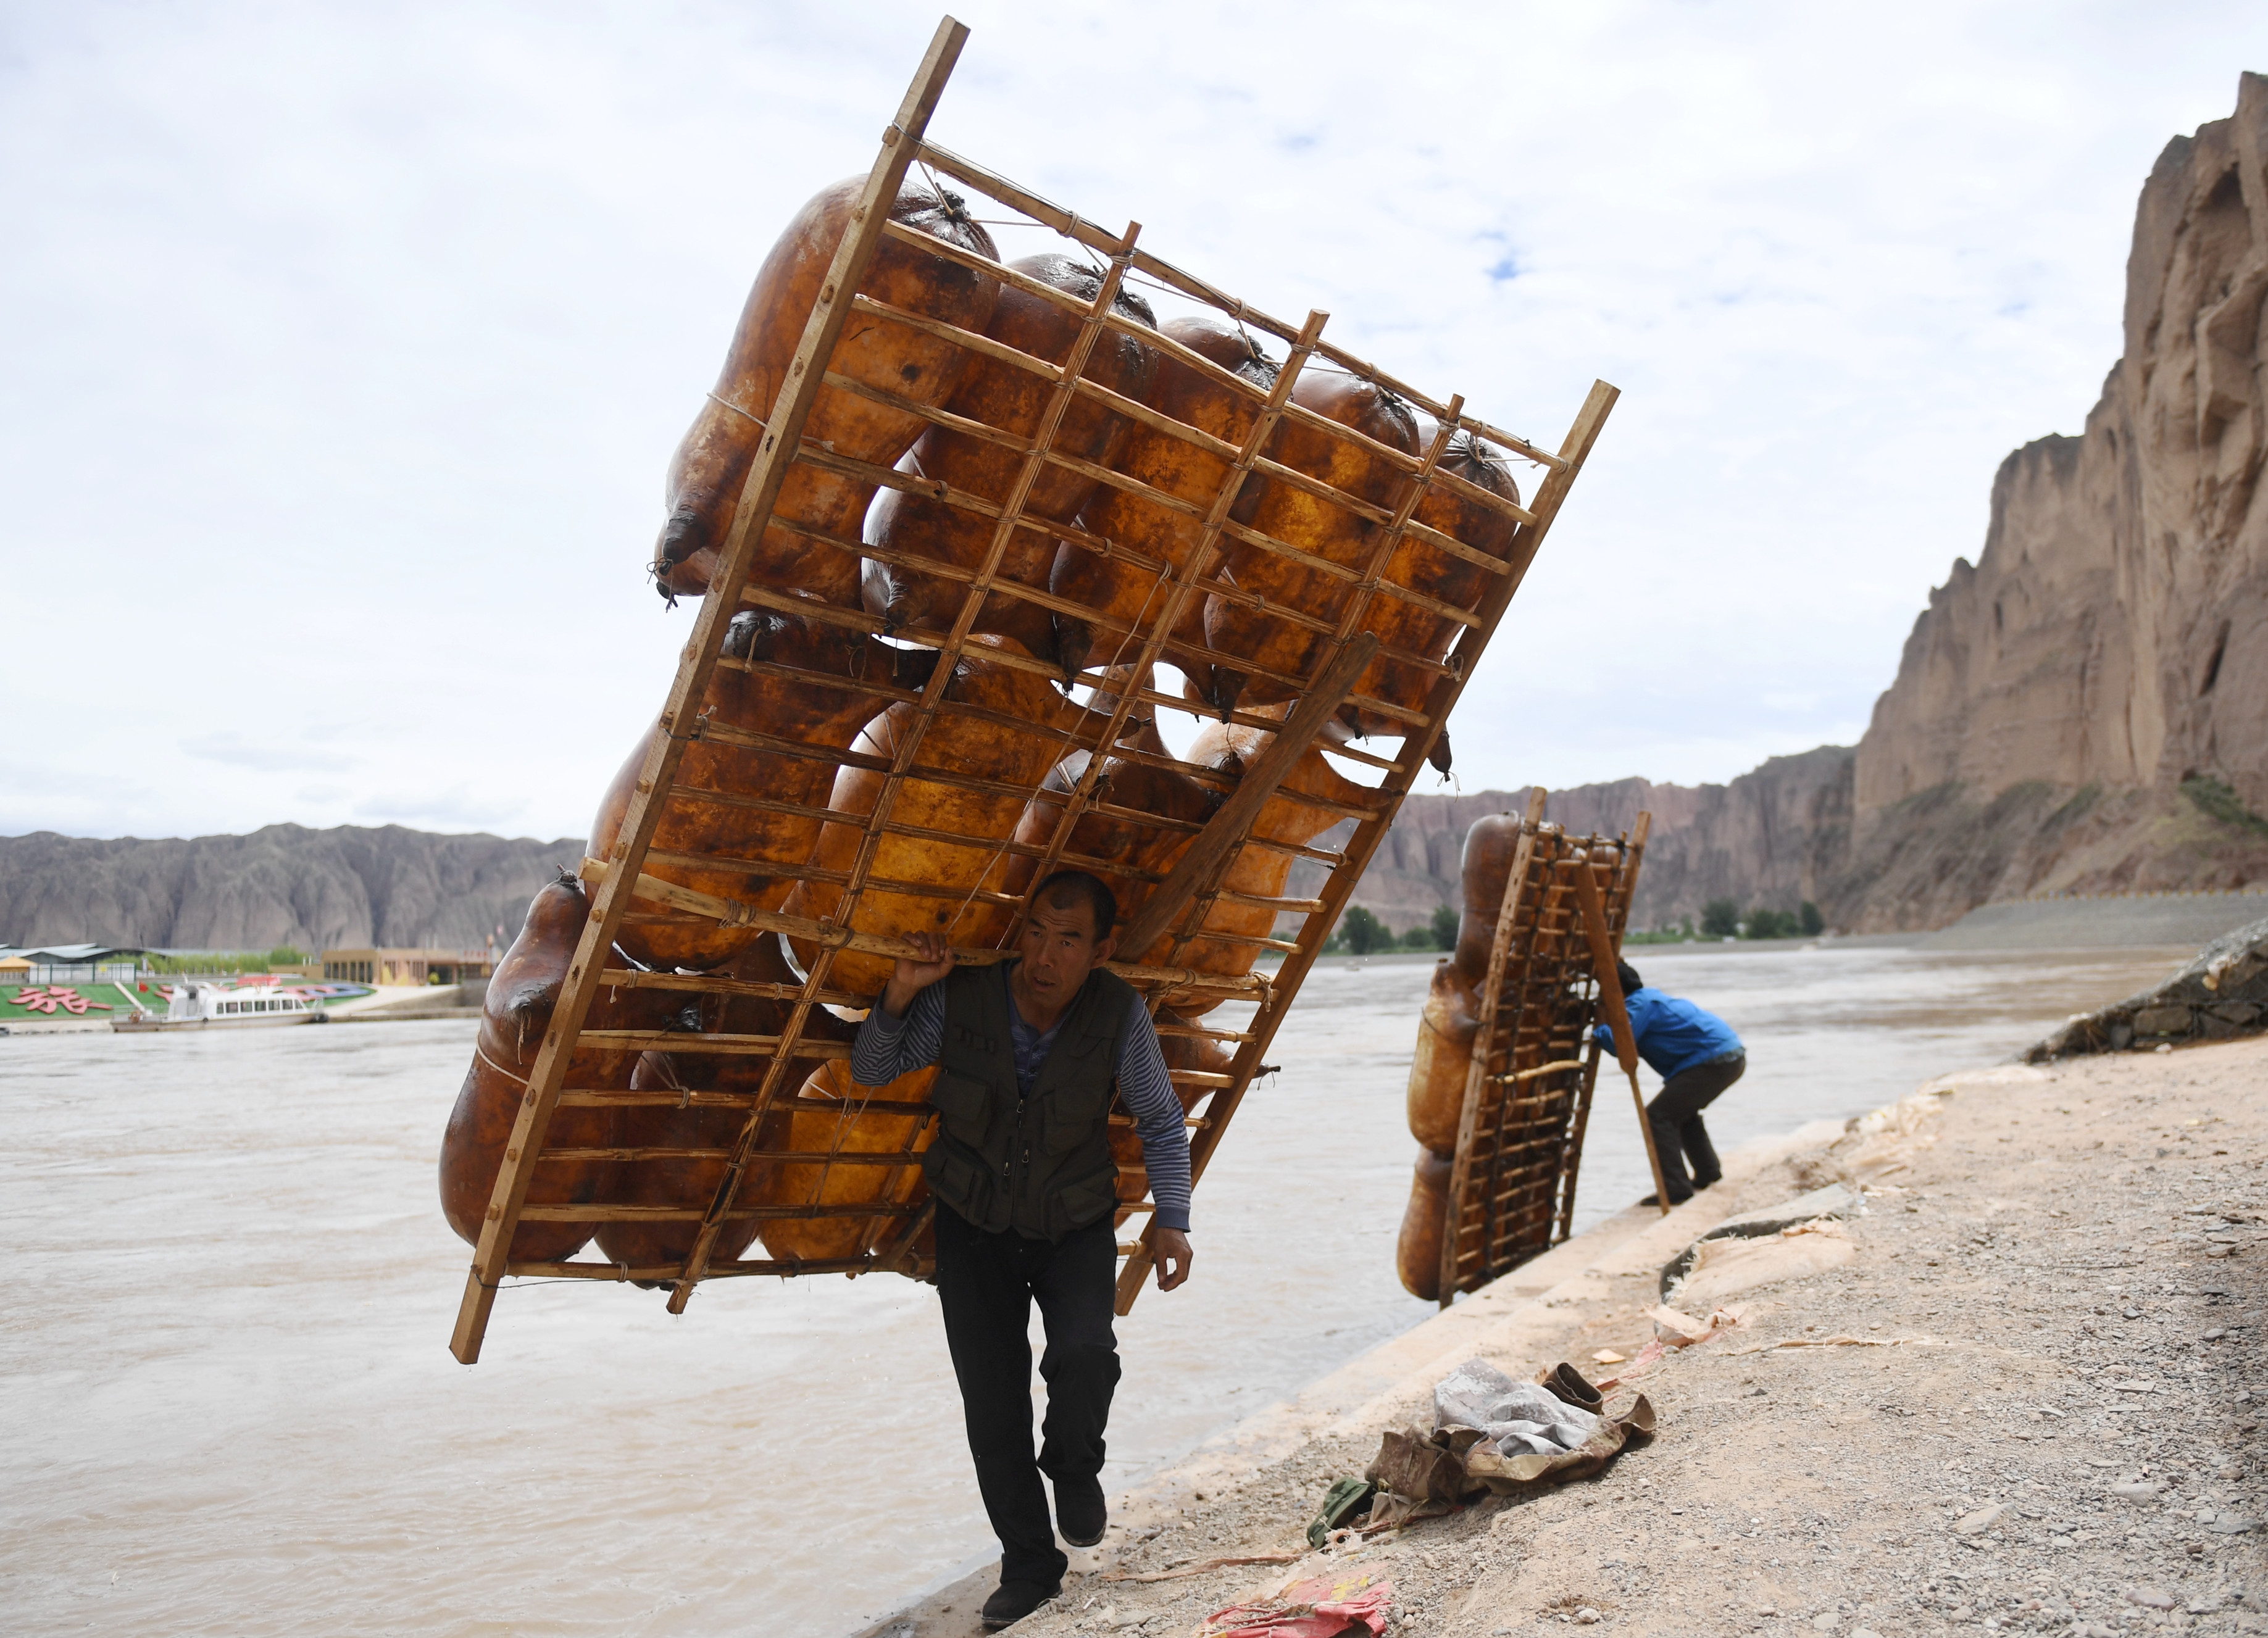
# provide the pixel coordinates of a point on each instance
(1674, 1114)
(988, 1284)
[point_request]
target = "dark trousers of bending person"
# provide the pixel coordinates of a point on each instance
(1680, 1138)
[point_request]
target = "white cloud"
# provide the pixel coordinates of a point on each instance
(267, 754)
(453, 807)
(347, 344)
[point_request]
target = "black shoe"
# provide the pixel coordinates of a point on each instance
(1655, 1199)
(1015, 1600)
(1081, 1514)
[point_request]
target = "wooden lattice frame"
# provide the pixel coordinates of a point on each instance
(1527, 1093)
(1181, 900)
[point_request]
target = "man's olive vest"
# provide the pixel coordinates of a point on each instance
(1041, 1165)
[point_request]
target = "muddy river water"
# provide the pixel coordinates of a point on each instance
(228, 1406)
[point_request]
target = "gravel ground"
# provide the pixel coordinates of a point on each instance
(2048, 1423)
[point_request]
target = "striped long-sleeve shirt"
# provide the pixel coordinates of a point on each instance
(888, 1046)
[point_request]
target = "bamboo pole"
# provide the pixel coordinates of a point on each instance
(668, 1271)
(830, 312)
(1611, 998)
(602, 1211)
(1226, 828)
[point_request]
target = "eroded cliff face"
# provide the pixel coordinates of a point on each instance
(2113, 632)
(1775, 836)
(349, 887)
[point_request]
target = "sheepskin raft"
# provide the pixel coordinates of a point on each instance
(1500, 1084)
(952, 520)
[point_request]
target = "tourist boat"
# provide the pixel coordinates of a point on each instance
(195, 1006)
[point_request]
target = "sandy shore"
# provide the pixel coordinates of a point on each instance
(2041, 1418)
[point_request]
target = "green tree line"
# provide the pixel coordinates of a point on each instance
(230, 960)
(1723, 918)
(1360, 933)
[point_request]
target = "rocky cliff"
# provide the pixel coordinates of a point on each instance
(315, 889)
(1775, 836)
(2108, 652)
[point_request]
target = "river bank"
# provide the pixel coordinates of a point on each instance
(2029, 1401)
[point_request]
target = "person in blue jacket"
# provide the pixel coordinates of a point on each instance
(1698, 1056)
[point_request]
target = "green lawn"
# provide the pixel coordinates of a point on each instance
(120, 1004)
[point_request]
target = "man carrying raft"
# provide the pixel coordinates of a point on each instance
(1028, 1053)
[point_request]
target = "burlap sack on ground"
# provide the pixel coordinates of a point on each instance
(1494, 1435)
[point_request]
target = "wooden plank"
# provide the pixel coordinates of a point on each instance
(934, 414)
(1517, 445)
(977, 262)
(830, 312)
(668, 1271)
(711, 984)
(972, 340)
(630, 1155)
(687, 1040)
(1226, 830)
(602, 1211)
(809, 678)
(678, 1098)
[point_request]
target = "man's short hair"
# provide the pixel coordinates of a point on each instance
(1066, 888)
(1628, 976)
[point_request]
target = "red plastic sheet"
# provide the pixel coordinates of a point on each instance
(1324, 1606)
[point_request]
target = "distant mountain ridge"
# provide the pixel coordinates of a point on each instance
(1776, 835)
(1772, 836)
(343, 888)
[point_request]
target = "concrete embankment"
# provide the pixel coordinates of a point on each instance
(404, 1004)
(2019, 1389)
(2190, 919)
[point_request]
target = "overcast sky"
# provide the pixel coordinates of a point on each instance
(345, 345)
